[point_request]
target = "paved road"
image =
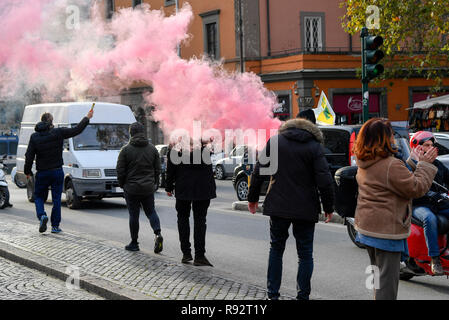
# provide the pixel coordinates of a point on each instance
(20, 283)
(238, 243)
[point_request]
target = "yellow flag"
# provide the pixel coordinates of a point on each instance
(323, 112)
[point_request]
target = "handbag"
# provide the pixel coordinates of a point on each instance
(446, 113)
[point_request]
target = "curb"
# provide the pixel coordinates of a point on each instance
(243, 206)
(92, 284)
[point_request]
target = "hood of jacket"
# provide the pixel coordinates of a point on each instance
(42, 126)
(139, 140)
(364, 164)
(301, 130)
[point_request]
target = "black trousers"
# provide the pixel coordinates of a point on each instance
(199, 208)
(388, 264)
(134, 203)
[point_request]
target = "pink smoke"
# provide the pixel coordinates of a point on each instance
(103, 58)
(195, 90)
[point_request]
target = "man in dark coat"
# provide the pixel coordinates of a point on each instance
(307, 114)
(293, 198)
(193, 184)
(46, 145)
(138, 170)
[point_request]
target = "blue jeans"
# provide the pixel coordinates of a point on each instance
(134, 202)
(55, 180)
(303, 233)
(430, 225)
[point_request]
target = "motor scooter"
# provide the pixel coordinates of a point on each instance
(4, 191)
(418, 263)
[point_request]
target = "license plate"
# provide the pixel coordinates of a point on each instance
(118, 190)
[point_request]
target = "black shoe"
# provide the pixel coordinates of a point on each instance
(186, 258)
(158, 243)
(43, 224)
(133, 246)
(202, 261)
(436, 267)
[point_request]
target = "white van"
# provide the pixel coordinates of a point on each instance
(90, 158)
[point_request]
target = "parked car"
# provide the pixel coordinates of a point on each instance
(215, 157)
(225, 167)
(338, 142)
(163, 151)
(8, 146)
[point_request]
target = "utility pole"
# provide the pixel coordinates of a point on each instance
(242, 67)
(178, 47)
(365, 92)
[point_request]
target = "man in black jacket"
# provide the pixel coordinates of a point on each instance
(194, 186)
(301, 179)
(46, 146)
(138, 169)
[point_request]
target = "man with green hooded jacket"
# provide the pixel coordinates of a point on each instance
(138, 169)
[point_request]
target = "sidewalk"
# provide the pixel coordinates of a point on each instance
(111, 272)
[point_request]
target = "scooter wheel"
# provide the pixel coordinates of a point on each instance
(352, 235)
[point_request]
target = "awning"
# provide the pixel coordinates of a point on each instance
(425, 104)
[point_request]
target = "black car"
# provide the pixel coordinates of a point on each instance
(338, 142)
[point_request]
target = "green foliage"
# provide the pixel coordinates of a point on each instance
(415, 32)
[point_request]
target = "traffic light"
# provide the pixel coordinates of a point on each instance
(372, 55)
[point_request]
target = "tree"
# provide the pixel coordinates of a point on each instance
(415, 32)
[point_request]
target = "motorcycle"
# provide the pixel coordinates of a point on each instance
(4, 191)
(418, 263)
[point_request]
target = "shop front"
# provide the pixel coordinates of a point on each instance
(348, 107)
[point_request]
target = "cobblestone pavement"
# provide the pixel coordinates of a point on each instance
(152, 275)
(20, 283)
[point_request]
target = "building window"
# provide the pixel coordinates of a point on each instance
(211, 32)
(312, 25)
(109, 9)
(136, 3)
(283, 110)
(169, 2)
(212, 45)
(313, 34)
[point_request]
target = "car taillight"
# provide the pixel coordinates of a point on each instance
(351, 154)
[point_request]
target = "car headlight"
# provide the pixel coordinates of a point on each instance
(91, 173)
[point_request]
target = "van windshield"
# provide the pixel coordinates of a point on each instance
(102, 137)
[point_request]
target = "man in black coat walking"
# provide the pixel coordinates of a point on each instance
(138, 169)
(293, 198)
(46, 145)
(193, 184)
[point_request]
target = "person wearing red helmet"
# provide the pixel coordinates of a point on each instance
(424, 208)
(421, 137)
